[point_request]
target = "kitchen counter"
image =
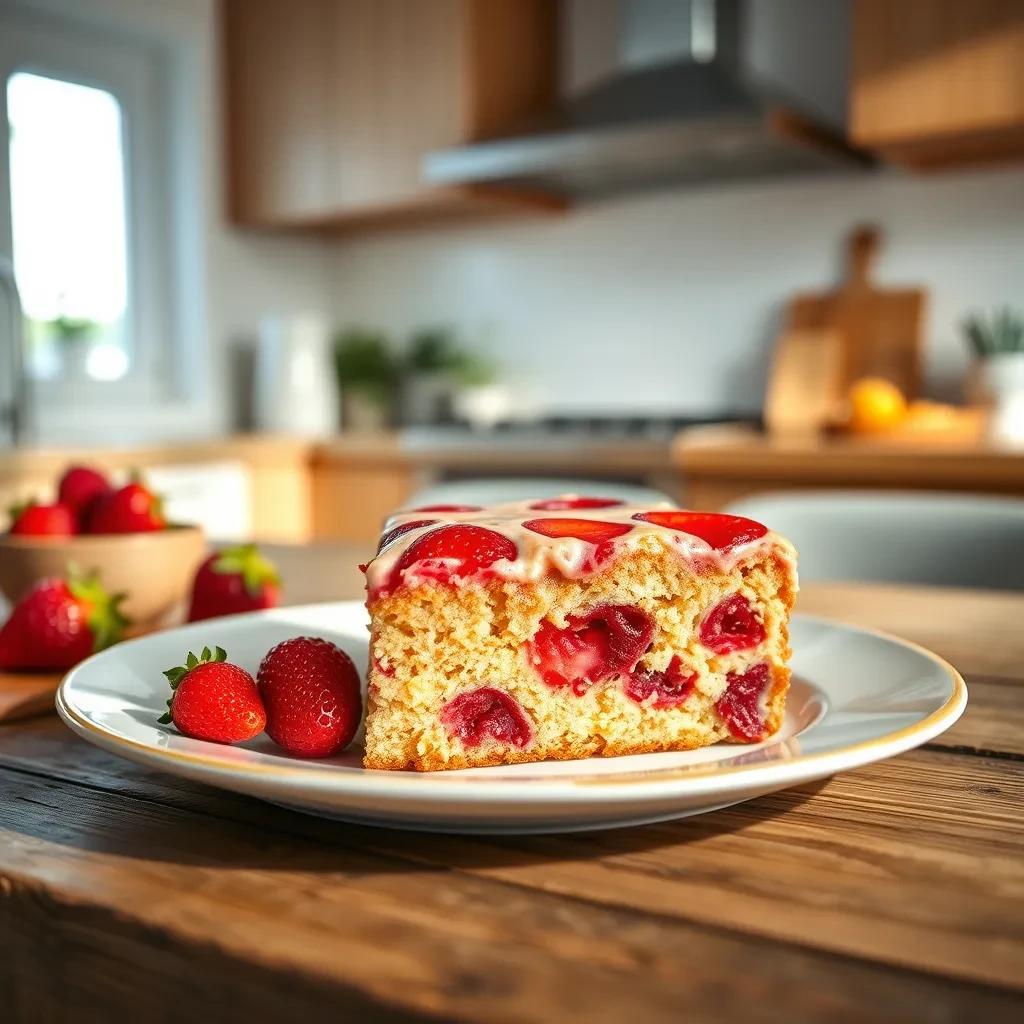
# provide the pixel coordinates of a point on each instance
(343, 487)
(498, 452)
(722, 465)
(358, 480)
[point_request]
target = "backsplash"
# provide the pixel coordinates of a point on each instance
(672, 301)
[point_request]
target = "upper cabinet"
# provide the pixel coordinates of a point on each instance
(332, 104)
(939, 83)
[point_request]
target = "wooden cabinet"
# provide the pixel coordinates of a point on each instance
(332, 104)
(938, 83)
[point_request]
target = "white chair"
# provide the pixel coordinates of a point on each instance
(491, 491)
(899, 536)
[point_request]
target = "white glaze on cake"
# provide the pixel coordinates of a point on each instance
(570, 557)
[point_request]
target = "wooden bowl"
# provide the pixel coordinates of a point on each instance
(154, 569)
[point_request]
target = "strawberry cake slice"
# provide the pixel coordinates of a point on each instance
(572, 627)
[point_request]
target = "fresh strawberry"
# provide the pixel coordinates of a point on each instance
(214, 700)
(133, 508)
(721, 531)
(81, 487)
(458, 549)
(592, 530)
(35, 520)
(310, 689)
(566, 504)
(60, 622)
(234, 580)
(399, 531)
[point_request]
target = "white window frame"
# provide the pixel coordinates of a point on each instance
(151, 70)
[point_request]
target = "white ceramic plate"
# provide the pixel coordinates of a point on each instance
(857, 696)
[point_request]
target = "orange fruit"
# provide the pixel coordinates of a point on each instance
(876, 405)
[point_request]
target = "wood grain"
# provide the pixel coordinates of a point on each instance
(404, 922)
(333, 104)
(27, 694)
(805, 385)
(894, 892)
(938, 82)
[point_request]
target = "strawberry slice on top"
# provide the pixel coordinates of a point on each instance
(401, 530)
(592, 530)
(567, 504)
(447, 508)
(456, 550)
(721, 531)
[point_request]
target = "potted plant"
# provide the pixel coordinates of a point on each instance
(479, 399)
(997, 377)
(74, 336)
(431, 365)
(367, 374)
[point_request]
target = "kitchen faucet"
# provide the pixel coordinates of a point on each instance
(14, 409)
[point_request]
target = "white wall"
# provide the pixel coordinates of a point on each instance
(671, 301)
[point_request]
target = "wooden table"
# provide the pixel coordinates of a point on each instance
(894, 892)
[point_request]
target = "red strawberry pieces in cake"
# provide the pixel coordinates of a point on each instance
(485, 713)
(573, 626)
(607, 642)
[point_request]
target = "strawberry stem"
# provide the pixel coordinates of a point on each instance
(102, 610)
(248, 562)
(176, 675)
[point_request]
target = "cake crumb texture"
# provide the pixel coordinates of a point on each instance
(433, 642)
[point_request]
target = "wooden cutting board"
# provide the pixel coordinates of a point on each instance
(877, 332)
(26, 694)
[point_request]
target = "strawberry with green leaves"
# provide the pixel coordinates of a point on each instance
(213, 699)
(133, 508)
(34, 519)
(59, 622)
(239, 579)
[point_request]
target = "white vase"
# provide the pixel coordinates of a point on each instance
(1000, 385)
(295, 391)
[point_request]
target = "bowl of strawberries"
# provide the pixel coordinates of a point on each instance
(114, 533)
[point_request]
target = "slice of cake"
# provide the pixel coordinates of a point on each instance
(572, 627)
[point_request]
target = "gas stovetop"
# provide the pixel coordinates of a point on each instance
(567, 430)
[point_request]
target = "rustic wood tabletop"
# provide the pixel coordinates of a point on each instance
(893, 892)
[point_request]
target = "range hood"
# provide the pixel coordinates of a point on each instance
(661, 92)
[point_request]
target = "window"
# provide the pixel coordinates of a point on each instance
(68, 228)
(101, 207)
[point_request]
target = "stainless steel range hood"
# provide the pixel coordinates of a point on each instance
(675, 91)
